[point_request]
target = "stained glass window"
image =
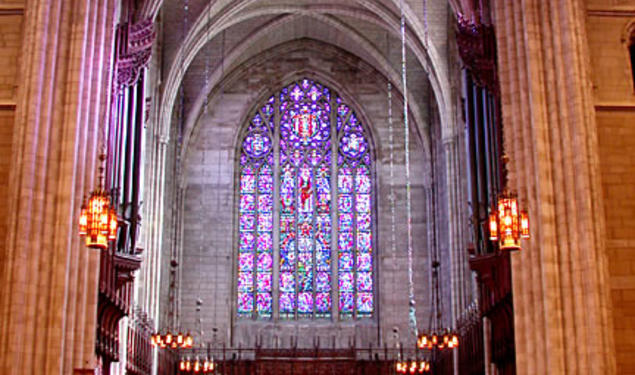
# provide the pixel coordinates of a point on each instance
(295, 143)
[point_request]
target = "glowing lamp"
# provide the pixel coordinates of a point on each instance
(182, 365)
(507, 224)
(97, 218)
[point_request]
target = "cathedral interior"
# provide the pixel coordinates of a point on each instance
(317, 187)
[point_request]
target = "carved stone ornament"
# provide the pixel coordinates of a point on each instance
(134, 51)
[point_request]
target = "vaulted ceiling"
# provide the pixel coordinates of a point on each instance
(203, 41)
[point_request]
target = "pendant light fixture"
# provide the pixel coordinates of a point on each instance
(507, 223)
(98, 218)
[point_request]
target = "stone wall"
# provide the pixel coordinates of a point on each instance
(208, 254)
(614, 98)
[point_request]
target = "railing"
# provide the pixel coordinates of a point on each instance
(139, 353)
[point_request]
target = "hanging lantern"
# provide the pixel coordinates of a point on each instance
(438, 340)
(171, 340)
(507, 224)
(98, 219)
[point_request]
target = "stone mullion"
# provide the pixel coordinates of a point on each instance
(275, 282)
(334, 214)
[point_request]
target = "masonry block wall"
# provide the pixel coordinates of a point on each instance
(608, 27)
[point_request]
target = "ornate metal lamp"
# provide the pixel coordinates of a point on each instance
(172, 341)
(412, 367)
(507, 224)
(197, 366)
(98, 219)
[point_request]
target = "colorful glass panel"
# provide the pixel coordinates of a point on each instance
(307, 147)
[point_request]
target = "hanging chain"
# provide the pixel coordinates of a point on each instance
(411, 289)
(425, 23)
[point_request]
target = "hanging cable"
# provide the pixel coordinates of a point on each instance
(411, 290)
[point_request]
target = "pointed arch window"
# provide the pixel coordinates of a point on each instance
(305, 228)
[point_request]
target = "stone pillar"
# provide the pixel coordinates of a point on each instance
(561, 293)
(49, 279)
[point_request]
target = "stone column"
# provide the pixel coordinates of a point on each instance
(49, 279)
(561, 293)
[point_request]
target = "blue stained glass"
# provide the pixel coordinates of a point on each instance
(346, 302)
(346, 222)
(286, 204)
(323, 282)
(265, 262)
(247, 222)
(345, 241)
(265, 242)
(287, 224)
(305, 281)
(247, 203)
(263, 304)
(247, 183)
(287, 282)
(257, 144)
(324, 201)
(247, 241)
(363, 241)
(305, 261)
(323, 259)
(364, 303)
(353, 145)
(245, 303)
(346, 282)
(345, 181)
(265, 222)
(287, 260)
(342, 110)
(363, 222)
(364, 281)
(246, 262)
(323, 302)
(345, 202)
(265, 203)
(305, 244)
(323, 186)
(245, 281)
(323, 224)
(263, 283)
(362, 182)
(364, 262)
(307, 154)
(363, 203)
(346, 261)
(305, 302)
(287, 302)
